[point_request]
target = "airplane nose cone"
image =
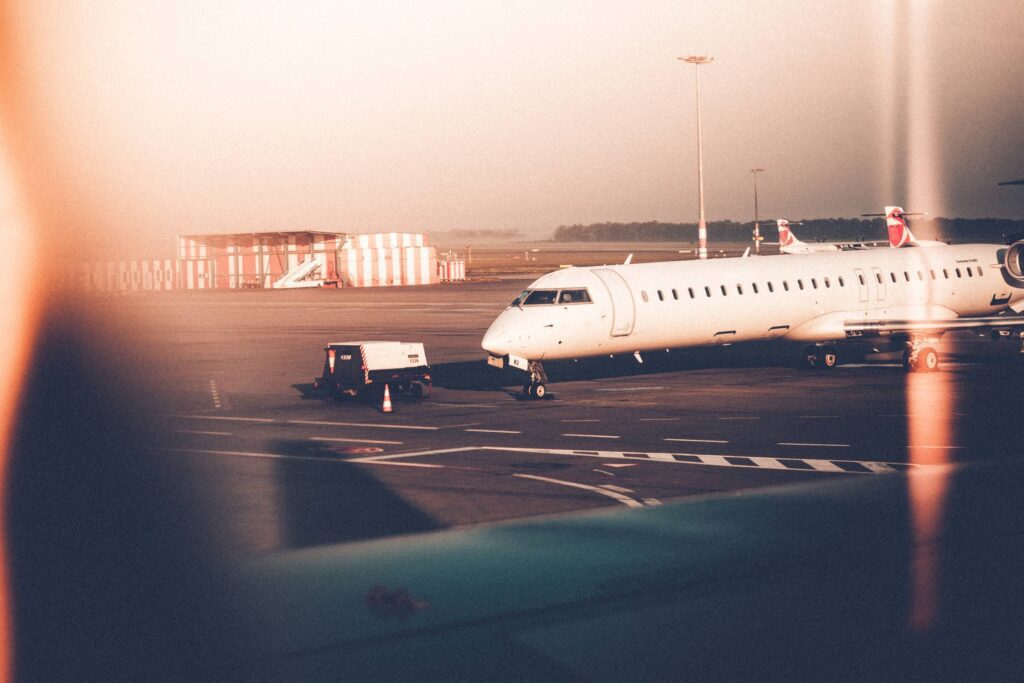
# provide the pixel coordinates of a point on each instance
(497, 340)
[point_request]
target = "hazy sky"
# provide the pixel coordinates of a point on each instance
(156, 118)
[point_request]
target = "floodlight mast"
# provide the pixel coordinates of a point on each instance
(702, 226)
(757, 223)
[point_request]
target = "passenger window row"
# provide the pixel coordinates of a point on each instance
(815, 283)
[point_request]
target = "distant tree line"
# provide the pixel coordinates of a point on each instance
(809, 230)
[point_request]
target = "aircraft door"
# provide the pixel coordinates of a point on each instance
(880, 281)
(862, 279)
(623, 308)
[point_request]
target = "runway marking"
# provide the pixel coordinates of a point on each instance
(659, 419)
(200, 431)
(617, 489)
(215, 394)
(815, 445)
(741, 461)
(494, 431)
(594, 436)
(325, 423)
(652, 502)
(225, 417)
(283, 456)
(752, 417)
(625, 500)
(631, 389)
(947, 448)
(603, 472)
(331, 438)
(590, 420)
(818, 417)
(696, 440)
(464, 405)
(619, 464)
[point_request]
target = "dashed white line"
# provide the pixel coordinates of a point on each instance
(215, 394)
(325, 423)
(340, 440)
(494, 431)
(625, 500)
(590, 420)
(652, 502)
(200, 431)
(696, 440)
(659, 419)
(593, 436)
(818, 417)
(631, 389)
(814, 445)
(824, 466)
(749, 417)
(617, 489)
(226, 417)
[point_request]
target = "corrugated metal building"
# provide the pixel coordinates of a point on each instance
(306, 258)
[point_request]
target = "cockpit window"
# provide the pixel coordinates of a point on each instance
(520, 299)
(574, 296)
(539, 297)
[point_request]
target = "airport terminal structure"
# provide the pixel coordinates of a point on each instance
(278, 260)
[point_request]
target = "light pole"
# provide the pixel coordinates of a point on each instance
(757, 224)
(702, 226)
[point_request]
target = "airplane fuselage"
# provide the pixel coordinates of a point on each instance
(808, 298)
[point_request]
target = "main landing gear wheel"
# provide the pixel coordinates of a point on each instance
(816, 357)
(925, 359)
(535, 391)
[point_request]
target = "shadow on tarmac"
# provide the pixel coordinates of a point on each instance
(478, 375)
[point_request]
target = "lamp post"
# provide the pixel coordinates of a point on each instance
(702, 226)
(757, 224)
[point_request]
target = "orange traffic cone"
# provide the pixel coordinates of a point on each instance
(386, 408)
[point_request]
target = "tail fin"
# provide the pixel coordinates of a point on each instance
(899, 233)
(786, 236)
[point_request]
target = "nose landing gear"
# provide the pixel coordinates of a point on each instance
(919, 357)
(535, 389)
(821, 357)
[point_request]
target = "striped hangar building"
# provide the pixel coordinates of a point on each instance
(303, 258)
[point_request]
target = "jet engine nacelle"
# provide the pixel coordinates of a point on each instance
(1013, 262)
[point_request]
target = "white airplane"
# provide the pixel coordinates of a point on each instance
(899, 232)
(910, 296)
(789, 244)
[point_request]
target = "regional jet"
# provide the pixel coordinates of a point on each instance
(909, 296)
(789, 244)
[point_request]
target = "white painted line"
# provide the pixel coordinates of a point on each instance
(878, 467)
(814, 445)
(825, 466)
(768, 463)
(200, 431)
(716, 460)
(396, 463)
(579, 420)
(594, 436)
(631, 389)
(494, 431)
(603, 472)
(660, 419)
(282, 456)
(946, 448)
(331, 438)
(324, 423)
(618, 489)
(664, 457)
(818, 417)
(225, 417)
(625, 500)
(620, 464)
(697, 440)
(652, 502)
(415, 454)
(463, 405)
(740, 418)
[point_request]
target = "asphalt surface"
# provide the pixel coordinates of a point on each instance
(275, 465)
